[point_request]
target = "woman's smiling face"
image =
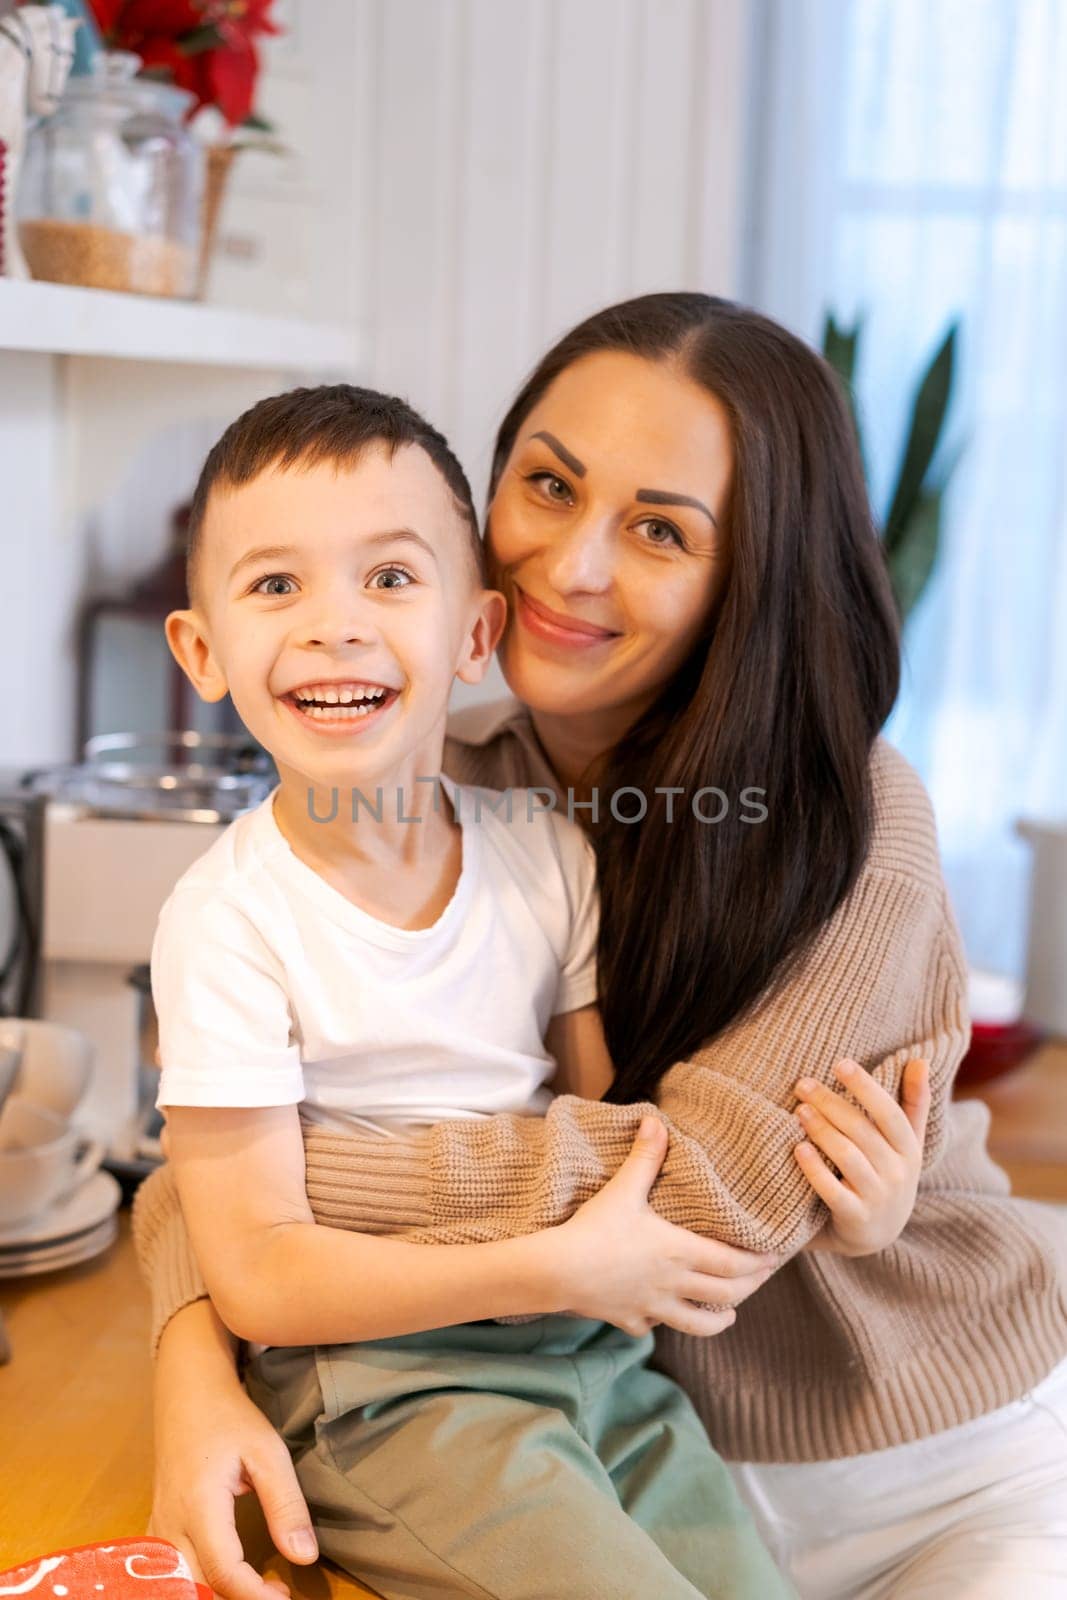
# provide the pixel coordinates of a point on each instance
(607, 534)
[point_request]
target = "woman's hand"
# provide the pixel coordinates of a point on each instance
(212, 1445)
(877, 1148)
(616, 1261)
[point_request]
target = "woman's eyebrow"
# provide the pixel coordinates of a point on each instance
(663, 497)
(576, 466)
(653, 497)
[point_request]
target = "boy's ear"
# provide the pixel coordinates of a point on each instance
(191, 649)
(483, 637)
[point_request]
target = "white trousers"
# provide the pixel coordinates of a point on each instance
(978, 1512)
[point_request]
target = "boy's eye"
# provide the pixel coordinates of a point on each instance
(272, 577)
(392, 574)
(551, 486)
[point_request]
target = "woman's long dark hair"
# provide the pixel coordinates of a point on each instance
(786, 695)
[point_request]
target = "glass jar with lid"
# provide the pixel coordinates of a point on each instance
(111, 188)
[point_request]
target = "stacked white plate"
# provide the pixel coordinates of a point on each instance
(73, 1230)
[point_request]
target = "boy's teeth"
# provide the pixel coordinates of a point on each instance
(327, 703)
(339, 713)
(323, 694)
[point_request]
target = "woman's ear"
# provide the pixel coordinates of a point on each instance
(484, 636)
(191, 649)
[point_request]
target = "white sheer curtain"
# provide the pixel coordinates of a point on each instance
(912, 164)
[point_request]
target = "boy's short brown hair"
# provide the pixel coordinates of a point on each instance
(332, 422)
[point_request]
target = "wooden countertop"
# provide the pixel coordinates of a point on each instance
(75, 1423)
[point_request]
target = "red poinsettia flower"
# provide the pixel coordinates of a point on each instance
(250, 16)
(188, 72)
(232, 75)
(106, 14)
(207, 46)
(165, 17)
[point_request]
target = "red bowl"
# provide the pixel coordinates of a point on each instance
(997, 1048)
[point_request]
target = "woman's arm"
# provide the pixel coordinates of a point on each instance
(583, 1066)
(875, 1143)
(276, 1277)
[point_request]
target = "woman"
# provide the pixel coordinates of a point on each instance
(698, 604)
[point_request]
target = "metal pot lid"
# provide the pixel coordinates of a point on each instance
(186, 777)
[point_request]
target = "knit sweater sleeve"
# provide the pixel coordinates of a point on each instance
(884, 981)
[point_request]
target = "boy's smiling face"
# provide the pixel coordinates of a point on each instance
(355, 579)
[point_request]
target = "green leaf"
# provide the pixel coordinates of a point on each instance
(927, 420)
(912, 558)
(257, 124)
(197, 40)
(840, 346)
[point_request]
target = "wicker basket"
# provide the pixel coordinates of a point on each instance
(219, 161)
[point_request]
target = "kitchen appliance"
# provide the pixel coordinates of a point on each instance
(105, 842)
(1045, 1003)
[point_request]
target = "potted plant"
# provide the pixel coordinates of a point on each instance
(911, 529)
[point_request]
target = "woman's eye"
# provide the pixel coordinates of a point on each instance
(273, 577)
(393, 574)
(552, 488)
(661, 533)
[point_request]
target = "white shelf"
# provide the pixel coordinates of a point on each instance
(56, 320)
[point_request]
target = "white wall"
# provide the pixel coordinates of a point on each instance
(529, 162)
(521, 165)
(464, 179)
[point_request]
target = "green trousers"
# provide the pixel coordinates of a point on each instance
(525, 1461)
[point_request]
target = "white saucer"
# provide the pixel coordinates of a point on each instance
(47, 1250)
(55, 1252)
(83, 1248)
(96, 1199)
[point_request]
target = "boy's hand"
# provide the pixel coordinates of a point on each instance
(212, 1445)
(616, 1261)
(237, 1452)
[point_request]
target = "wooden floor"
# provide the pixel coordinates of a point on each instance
(75, 1426)
(1028, 1134)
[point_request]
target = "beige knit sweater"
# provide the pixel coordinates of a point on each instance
(832, 1356)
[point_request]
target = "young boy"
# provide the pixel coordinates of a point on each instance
(372, 943)
(377, 945)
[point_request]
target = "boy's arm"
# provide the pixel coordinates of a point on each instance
(277, 1277)
(583, 1066)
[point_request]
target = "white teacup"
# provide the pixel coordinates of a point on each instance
(56, 1064)
(42, 1159)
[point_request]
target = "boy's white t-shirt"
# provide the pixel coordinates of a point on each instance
(272, 988)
